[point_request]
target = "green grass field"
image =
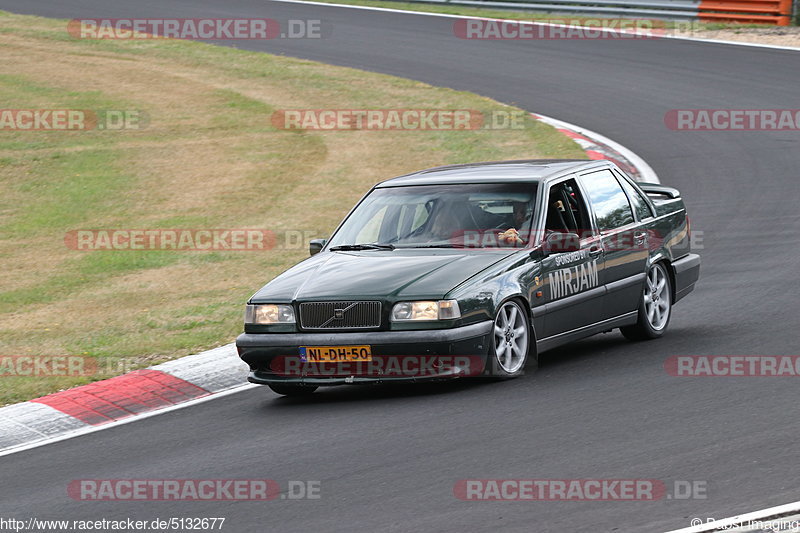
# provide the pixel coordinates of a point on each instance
(208, 158)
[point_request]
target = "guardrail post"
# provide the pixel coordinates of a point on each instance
(785, 13)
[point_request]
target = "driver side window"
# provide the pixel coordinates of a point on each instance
(566, 210)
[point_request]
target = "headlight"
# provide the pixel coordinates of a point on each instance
(441, 310)
(269, 314)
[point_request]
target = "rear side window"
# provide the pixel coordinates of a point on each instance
(610, 204)
(639, 203)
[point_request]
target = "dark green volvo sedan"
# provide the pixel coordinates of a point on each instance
(473, 270)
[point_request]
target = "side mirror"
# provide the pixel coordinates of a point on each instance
(562, 242)
(316, 245)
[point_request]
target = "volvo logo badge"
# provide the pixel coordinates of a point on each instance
(338, 314)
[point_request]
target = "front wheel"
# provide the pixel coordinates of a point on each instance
(291, 389)
(655, 307)
(511, 342)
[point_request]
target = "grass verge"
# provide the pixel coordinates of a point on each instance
(208, 157)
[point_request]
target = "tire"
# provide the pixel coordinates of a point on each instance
(655, 306)
(511, 344)
(291, 389)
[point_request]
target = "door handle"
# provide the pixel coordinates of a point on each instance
(594, 251)
(639, 237)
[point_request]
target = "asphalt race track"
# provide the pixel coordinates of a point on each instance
(388, 458)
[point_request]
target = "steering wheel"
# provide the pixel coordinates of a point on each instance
(503, 226)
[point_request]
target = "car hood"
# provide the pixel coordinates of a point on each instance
(396, 274)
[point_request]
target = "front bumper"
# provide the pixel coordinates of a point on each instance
(413, 355)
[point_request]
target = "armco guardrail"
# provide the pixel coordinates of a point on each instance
(771, 11)
(750, 11)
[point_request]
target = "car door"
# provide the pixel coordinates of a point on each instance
(572, 282)
(623, 238)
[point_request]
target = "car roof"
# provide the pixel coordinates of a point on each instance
(528, 170)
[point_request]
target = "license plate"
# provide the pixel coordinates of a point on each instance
(334, 354)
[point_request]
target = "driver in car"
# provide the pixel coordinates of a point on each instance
(521, 216)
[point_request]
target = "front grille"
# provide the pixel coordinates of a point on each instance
(340, 315)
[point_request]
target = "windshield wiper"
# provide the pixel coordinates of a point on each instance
(443, 245)
(356, 247)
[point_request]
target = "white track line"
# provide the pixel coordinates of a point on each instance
(630, 155)
(731, 524)
(648, 174)
(538, 23)
(134, 418)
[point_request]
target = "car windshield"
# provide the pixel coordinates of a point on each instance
(477, 215)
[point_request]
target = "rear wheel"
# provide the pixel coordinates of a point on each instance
(511, 342)
(291, 389)
(655, 307)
